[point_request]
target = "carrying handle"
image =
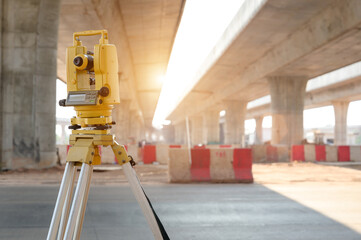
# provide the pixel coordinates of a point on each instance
(102, 40)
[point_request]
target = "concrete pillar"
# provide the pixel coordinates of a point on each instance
(259, 130)
(180, 132)
(287, 101)
(168, 134)
(135, 127)
(340, 109)
(63, 134)
(121, 115)
(234, 122)
(211, 127)
(196, 129)
(29, 34)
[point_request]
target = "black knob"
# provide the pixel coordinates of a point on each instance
(74, 127)
(78, 61)
(104, 91)
(62, 102)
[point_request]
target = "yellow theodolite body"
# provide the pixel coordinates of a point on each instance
(93, 90)
(92, 80)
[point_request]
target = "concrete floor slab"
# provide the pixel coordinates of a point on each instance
(188, 211)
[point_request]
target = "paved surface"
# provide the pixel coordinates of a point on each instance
(283, 205)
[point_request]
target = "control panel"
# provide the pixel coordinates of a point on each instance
(78, 98)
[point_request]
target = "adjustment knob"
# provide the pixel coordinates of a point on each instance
(62, 102)
(104, 91)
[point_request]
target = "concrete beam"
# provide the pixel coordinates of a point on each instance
(110, 16)
(287, 103)
(347, 91)
(322, 31)
(340, 130)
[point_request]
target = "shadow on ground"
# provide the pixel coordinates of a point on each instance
(188, 211)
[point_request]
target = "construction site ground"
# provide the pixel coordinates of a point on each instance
(286, 201)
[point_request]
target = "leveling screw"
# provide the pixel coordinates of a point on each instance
(119, 152)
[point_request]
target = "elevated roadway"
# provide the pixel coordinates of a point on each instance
(274, 47)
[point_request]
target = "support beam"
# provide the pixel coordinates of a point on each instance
(135, 127)
(259, 130)
(350, 91)
(316, 40)
(340, 109)
(168, 133)
(234, 122)
(180, 132)
(211, 127)
(287, 102)
(121, 115)
(196, 127)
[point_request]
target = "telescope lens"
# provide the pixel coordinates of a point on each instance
(78, 61)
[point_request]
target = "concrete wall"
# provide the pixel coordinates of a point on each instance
(28, 83)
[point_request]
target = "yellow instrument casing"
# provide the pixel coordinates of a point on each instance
(97, 71)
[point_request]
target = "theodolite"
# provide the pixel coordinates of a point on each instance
(93, 90)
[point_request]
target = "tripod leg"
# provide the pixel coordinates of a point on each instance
(64, 186)
(80, 219)
(142, 200)
(66, 208)
(76, 205)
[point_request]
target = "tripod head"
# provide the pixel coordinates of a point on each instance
(92, 82)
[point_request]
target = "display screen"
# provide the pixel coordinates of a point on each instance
(77, 98)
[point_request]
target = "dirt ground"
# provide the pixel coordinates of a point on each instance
(270, 173)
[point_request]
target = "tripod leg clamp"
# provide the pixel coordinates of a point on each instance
(84, 151)
(120, 153)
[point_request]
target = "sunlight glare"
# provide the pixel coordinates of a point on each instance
(203, 23)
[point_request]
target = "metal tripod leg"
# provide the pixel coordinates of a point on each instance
(80, 219)
(142, 200)
(66, 208)
(64, 186)
(78, 198)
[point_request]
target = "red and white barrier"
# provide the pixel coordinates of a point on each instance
(215, 165)
(157, 153)
(355, 153)
(149, 154)
(326, 153)
(269, 153)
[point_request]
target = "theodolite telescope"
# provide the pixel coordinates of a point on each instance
(92, 83)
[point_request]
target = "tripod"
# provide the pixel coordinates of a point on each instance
(67, 220)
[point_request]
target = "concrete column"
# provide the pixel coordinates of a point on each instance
(211, 127)
(340, 109)
(168, 134)
(121, 115)
(141, 135)
(234, 122)
(29, 32)
(180, 132)
(259, 130)
(134, 127)
(196, 129)
(63, 134)
(287, 101)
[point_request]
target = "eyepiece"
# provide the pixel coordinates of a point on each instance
(84, 62)
(78, 61)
